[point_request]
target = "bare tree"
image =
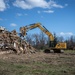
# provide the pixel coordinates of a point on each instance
(60, 39)
(43, 40)
(40, 40)
(29, 38)
(36, 40)
(71, 43)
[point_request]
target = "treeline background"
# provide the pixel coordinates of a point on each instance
(41, 40)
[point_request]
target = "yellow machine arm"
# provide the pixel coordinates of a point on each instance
(24, 29)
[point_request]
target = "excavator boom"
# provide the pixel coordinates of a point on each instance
(24, 29)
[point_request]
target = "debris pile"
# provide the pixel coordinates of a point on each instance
(10, 41)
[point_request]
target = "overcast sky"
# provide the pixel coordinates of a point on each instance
(56, 15)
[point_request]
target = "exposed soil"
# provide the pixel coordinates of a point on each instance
(40, 63)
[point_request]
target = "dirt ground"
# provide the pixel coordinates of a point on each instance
(38, 63)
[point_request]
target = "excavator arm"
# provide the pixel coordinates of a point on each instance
(24, 29)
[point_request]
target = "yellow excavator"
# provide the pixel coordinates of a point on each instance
(57, 48)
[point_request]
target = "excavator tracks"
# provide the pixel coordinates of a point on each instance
(53, 51)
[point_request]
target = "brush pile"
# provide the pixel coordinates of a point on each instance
(10, 42)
